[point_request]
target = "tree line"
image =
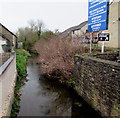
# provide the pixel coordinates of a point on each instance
(34, 32)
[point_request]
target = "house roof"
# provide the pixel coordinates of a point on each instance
(78, 27)
(8, 30)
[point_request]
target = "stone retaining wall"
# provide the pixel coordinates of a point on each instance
(98, 83)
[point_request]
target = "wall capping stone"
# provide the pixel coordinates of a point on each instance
(6, 64)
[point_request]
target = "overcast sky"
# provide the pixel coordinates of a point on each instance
(56, 14)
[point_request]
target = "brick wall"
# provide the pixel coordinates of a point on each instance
(98, 83)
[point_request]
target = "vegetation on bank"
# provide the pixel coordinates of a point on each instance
(34, 32)
(21, 62)
(56, 57)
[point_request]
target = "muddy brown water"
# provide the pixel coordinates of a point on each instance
(42, 97)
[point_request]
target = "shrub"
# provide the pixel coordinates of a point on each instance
(21, 59)
(57, 56)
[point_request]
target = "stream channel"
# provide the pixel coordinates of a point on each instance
(42, 97)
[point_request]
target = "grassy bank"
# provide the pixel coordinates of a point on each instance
(21, 63)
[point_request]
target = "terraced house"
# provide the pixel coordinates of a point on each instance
(7, 69)
(80, 31)
(7, 39)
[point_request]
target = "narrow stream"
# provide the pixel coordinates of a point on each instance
(41, 97)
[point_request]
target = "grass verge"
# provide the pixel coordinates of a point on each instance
(21, 63)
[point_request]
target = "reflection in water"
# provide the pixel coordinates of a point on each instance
(41, 97)
(60, 104)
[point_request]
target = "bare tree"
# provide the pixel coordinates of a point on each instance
(32, 24)
(40, 26)
(56, 31)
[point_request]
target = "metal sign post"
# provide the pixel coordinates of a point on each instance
(90, 42)
(103, 45)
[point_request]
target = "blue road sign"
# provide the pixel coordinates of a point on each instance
(98, 15)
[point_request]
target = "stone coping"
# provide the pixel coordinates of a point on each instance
(6, 64)
(92, 57)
